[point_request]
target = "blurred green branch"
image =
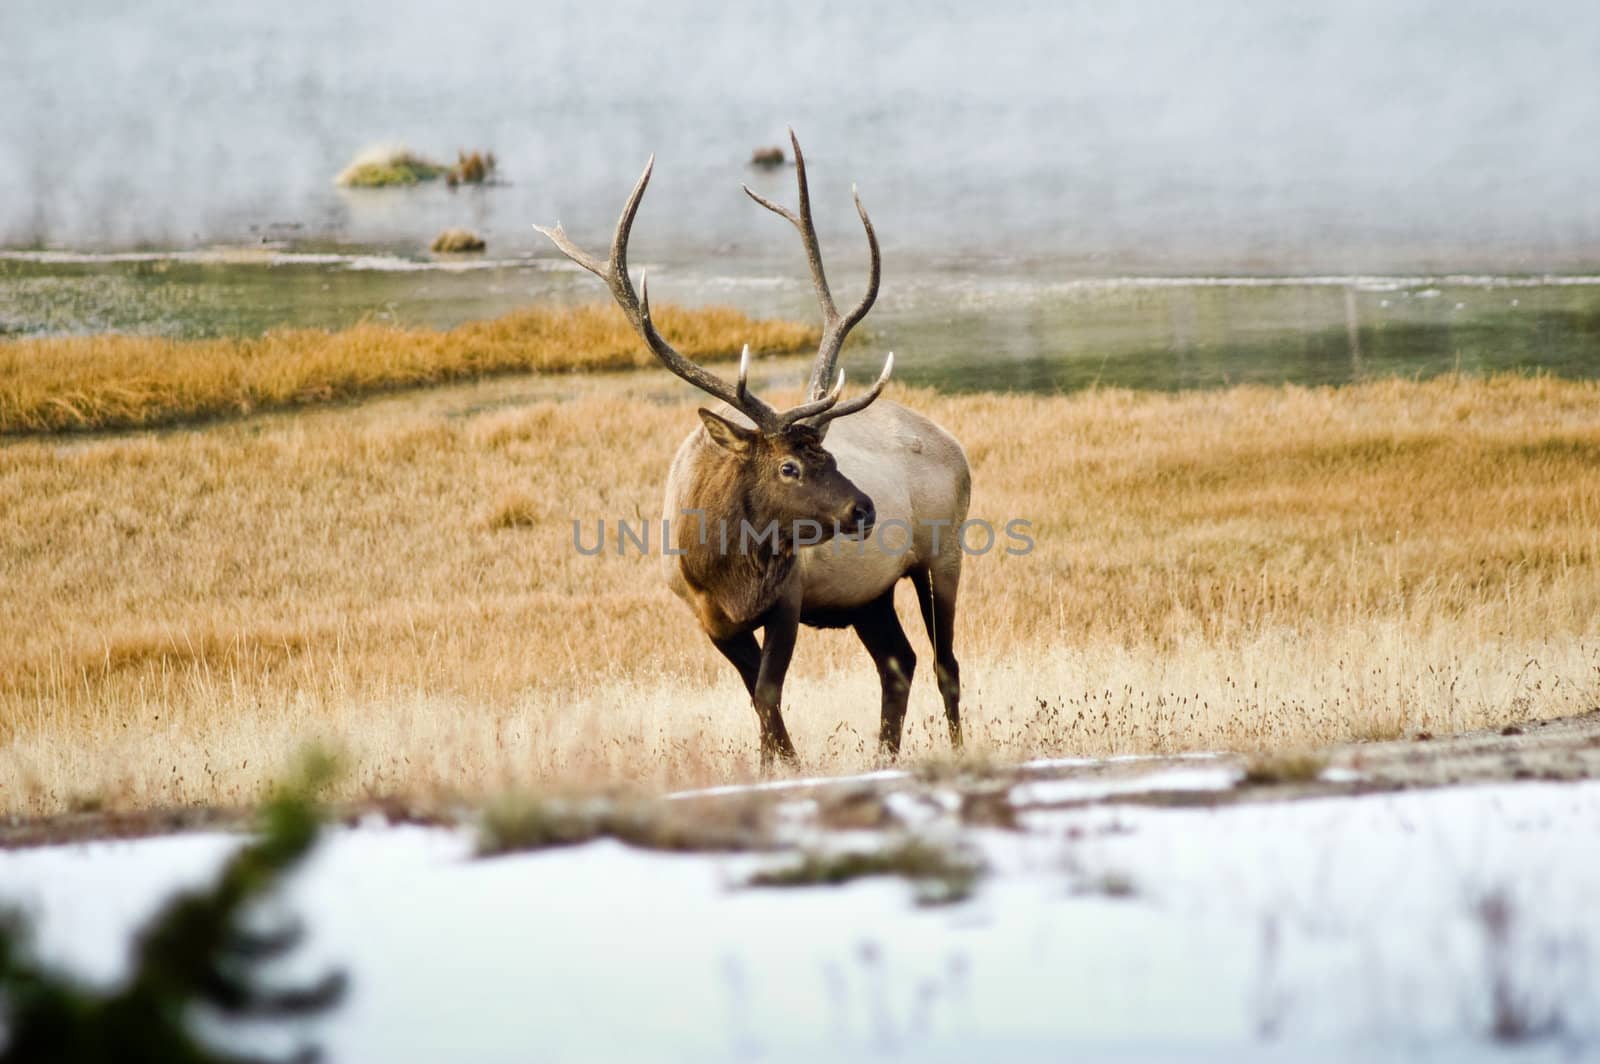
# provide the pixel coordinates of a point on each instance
(199, 952)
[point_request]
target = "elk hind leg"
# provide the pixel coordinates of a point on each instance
(936, 594)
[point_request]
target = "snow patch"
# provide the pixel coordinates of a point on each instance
(1052, 792)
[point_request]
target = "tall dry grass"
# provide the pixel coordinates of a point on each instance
(1253, 569)
(101, 382)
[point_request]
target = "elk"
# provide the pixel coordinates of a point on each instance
(847, 521)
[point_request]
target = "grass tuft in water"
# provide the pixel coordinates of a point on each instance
(767, 158)
(471, 168)
(456, 241)
(388, 167)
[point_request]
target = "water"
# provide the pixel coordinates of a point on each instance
(952, 331)
(1022, 162)
(1131, 137)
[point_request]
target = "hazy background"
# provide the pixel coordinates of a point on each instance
(1084, 137)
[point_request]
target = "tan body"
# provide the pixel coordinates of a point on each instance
(917, 476)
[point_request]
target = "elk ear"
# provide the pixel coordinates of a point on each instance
(726, 434)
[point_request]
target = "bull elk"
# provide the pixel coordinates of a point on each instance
(751, 466)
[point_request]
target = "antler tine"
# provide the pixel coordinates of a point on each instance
(815, 406)
(808, 231)
(743, 388)
(874, 268)
(776, 208)
(834, 327)
(616, 268)
(835, 332)
(619, 239)
(637, 308)
(860, 402)
(558, 237)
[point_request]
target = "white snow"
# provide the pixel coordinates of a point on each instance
(1048, 792)
(1326, 929)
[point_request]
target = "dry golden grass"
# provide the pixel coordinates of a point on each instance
(1256, 569)
(100, 382)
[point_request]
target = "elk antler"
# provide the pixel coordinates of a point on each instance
(819, 421)
(614, 272)
(823, 405)
(835, 327)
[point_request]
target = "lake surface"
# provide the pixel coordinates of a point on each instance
(1145, 193)
(1141, 136)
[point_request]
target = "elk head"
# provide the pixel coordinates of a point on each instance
(788, 477)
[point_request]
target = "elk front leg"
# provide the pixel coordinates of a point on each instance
(880, 632)
(777, 647)
(745, 653)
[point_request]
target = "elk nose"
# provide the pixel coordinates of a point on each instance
(863, 514)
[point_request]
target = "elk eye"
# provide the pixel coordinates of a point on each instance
(789, 471)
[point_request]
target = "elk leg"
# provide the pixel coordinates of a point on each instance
(936, 594)
(881, 633)
(745, 653)
(777, 648)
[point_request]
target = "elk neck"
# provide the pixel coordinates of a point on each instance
(745, 579)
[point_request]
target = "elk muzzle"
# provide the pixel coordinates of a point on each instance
(858, 518)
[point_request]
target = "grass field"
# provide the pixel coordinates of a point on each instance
(110, 382)
(1258, 569)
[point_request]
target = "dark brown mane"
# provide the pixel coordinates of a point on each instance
(743, 583)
